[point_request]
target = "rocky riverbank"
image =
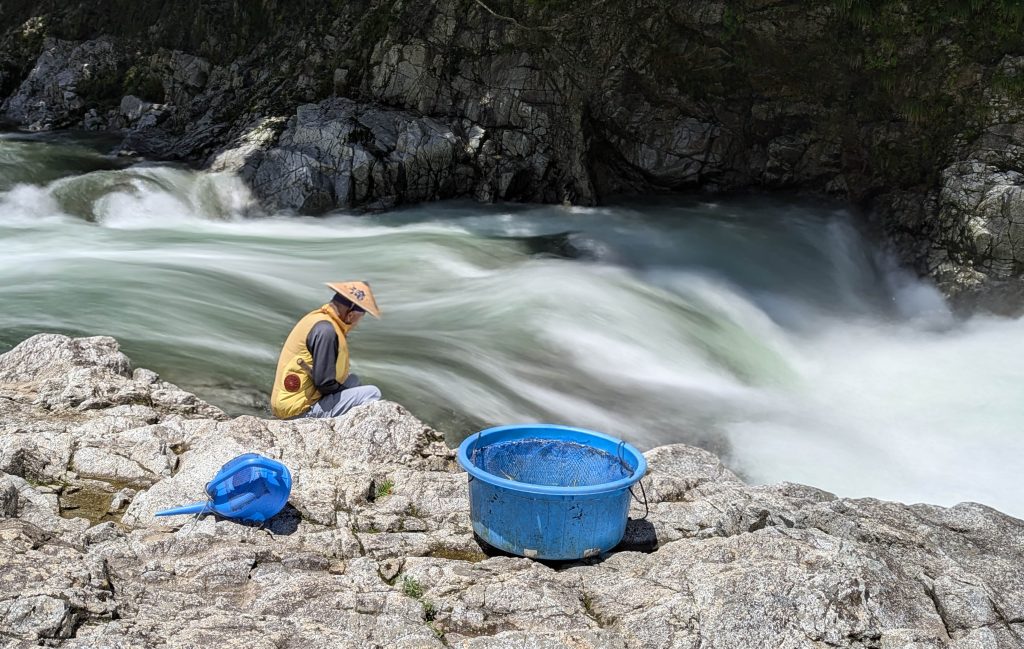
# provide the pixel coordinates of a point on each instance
(375, 548)
(913, 113)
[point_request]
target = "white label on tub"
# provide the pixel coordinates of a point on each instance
(529, 553)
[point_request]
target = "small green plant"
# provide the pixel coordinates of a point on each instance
(101, 87)
(429, 610)
(411, 587)
(384, 488)
(143, 83)
(588, 608)
(438, 632)
(588, 603)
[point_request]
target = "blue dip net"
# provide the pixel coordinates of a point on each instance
(553, 463)
(248, 487)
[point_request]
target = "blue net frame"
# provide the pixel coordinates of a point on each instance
(553, 463)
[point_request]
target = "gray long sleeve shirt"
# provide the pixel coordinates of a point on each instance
(322, 343)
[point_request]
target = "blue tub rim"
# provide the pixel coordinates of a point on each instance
(546, 490)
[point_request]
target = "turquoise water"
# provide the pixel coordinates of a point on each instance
(769, 330)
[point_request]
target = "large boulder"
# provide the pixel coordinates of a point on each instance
(375, 547)
(340, 153)
(67, 78)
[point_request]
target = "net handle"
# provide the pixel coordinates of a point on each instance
(647, 509)
(476, 447)
(622, 460)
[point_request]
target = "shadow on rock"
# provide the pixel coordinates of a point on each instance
(640, 536)
(489, 550)
(284, 523)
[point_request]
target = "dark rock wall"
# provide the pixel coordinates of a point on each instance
(907, 109)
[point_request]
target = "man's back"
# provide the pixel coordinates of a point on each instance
(295, 382)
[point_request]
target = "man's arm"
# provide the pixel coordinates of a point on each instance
(322, 342)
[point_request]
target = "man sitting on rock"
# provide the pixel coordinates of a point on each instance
(313, 378)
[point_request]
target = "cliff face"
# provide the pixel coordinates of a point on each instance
(913, 113)
(375, 548)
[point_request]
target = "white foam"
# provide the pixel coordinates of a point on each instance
(29, 206)
(810, 361)
(901, 413)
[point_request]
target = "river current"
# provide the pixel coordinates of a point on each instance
(768, 330)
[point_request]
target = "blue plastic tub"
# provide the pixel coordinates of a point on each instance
(550, 492)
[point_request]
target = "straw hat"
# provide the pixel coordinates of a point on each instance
(357, 293)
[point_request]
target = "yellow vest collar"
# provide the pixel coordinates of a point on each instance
(329, 312)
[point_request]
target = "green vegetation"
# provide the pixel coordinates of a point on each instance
(429, 610)
(438, 632)
(558, 5)
(1009, 85)
(411, 587)
(375, 24)
(890, 84)
(383, 489)
(985, 28)
(905, 71)
(588, 604)
(140, 81)
(101, 89)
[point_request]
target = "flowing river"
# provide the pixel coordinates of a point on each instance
(770, 331)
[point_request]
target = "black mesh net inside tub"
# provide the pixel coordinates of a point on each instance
(550, 462)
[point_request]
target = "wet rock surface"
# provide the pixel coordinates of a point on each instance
(375, 548)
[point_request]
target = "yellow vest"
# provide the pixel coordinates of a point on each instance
(294, 392)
